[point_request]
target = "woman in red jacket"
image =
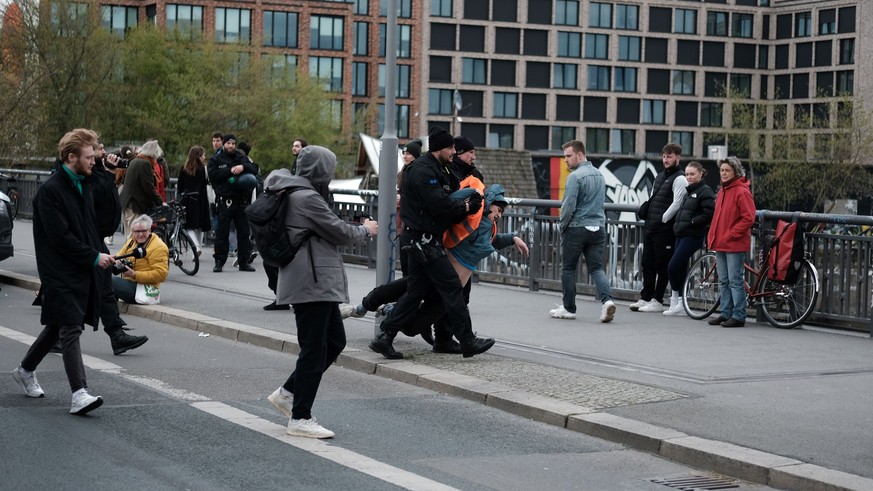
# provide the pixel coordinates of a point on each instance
(730, 237)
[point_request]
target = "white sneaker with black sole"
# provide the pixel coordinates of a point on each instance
(27, 381)
(83, 402)
(561, 313)
(308, 428)
(636, 305)
(653, 306)
(607, 312)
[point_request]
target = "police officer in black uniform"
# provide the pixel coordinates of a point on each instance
(427, 211)
(233, 177)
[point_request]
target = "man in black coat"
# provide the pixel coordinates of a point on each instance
(233, 178)
(68, 255)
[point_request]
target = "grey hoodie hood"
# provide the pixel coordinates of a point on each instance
(282, 179)
(317, 164)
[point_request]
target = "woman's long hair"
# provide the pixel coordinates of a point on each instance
(193, 164)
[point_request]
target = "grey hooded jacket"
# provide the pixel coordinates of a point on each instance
(321, 278)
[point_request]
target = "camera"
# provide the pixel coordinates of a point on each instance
(118, 269)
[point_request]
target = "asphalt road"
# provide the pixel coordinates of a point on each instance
(190, 412)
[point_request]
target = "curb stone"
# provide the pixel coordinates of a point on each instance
(721, 457)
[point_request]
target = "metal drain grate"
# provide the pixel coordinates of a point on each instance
(694, 483)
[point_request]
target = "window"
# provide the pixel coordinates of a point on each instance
(186, 19)
(281, 68)
(597, 46)
(359, 79)
(473, 38)
(687, 113)
(742, 25)
(401, 120)
(439, 101)
(500, 136)
(827, 21)
(404, 40)
(404, 8)
(280, 29)
(846, 82)
(627, 17)
(565, 76)
(847, 20)
(233, 25)
(625, 79)
(539, 11)
(595, 109)
(533, 106)
(683, 82)
(656, 50)
(567, 107)
(598, 77)
(326, 32)
(659, 19)
(536, 42)
(597, 140)
(600, 15)
(536, 137)
(847, 51)
(658, 81)
(402, 90)
(362, 39)
(716, 23)
(328, 70)
(629, 48)
(685, 21)
(505, 105)
(654, 111)
(362, 7)
(440, 69)
(567, 12)
(684, 139)
(710, 114)
(503, 73)
(507, 41)
(442, 37)
(473, 71)
(538, 75)
(627, 111)
(802, 24)
(562, 134)
(438, 8)
(624, 141)
(118, 19)
(474, 9)
(569, 44)
(741, 84)
(70, 19)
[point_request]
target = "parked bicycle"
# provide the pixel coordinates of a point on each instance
(10, 188)
(169, 225)
(784, 305)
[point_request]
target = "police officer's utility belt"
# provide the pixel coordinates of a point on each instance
(423, 238)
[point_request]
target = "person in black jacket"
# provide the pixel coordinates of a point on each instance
(233, 178)
(692, 220)
(427, 211)
(68, 253)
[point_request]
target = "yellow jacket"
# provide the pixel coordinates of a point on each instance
(154, 268)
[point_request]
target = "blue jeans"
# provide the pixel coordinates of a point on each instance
(730, 284)
(577, 241)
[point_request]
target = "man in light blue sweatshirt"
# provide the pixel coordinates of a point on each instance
(583, 231)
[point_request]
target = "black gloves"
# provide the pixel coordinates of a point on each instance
(475, 201)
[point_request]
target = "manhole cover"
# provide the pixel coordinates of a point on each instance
(693, 483)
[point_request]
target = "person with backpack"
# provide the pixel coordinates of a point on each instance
(730, 237)
(314, 282)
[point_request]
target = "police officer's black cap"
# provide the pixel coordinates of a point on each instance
(439, 139)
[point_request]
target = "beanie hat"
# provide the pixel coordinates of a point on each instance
(439, 139)
(413, 148)
(227, 138)
(463, 144)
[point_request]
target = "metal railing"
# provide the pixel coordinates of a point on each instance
(844, 262)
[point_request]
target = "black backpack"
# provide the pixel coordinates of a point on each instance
(266, 217)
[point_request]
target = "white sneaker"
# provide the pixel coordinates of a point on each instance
(282, 403)
(28, 382)
(348, 310)
(607, 312)
(83, 402)
(235, 262)
(636, 305)
(308, 428)
(561, 313)
(678, 310)
(652, 306)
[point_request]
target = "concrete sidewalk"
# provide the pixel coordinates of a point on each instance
(789, 409)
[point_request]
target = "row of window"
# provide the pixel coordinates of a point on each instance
(636, 48)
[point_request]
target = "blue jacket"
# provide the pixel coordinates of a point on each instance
(483, 241)
(584, 196)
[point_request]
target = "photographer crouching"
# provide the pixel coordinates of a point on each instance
(142, 265)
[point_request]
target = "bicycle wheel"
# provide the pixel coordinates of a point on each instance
(185, 254)
(700, 295)
(13, 203)
(787, 306)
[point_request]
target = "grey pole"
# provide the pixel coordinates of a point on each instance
(388, 162)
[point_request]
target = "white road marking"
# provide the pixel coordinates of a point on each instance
(329, 451)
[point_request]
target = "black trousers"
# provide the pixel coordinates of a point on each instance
(387, 293)
(272, 277)
(657, 252)
(232, 209)
(322, 337)
(432, 279)
(109, 315)
(70, 351)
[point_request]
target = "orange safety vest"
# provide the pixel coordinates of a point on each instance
(462, 230)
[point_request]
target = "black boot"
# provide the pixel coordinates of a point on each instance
(122, 341)
(218, 266)
(246, 267)
(474, 346)
(443, 343)
(382, 344)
